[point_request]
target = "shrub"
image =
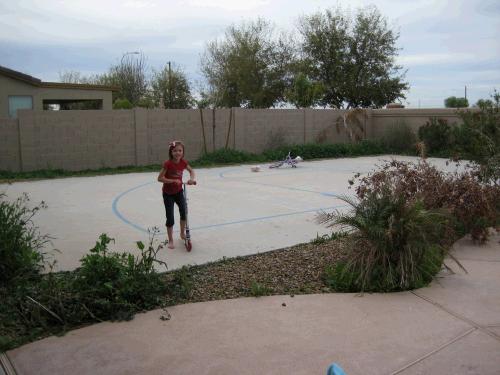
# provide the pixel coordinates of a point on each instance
(225, 156)
(328, 237)
(318, 151)
(146, 102)
(436, 135)
(182, 284)
(489, 171)
(108, 286)
(115, 286)
(394, 245)
(122, 104)
(474, 205)
(306, 151)
(478, 137)
(400, 139)
(258, 290)
(21, 244)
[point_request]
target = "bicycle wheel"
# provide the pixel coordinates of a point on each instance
(276, 165)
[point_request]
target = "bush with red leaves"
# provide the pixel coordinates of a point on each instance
(475, 205)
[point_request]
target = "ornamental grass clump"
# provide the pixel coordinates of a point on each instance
(394, 244)
(404, 219)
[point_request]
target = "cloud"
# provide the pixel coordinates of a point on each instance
(139, 4)
(489, 8)
(434, 58)
(228, 5)
(444, 44)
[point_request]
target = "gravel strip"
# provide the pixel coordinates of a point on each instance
(293, 270)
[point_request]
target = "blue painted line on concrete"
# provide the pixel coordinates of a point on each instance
(269, 217)
(117, 212)
(292, 188)
(327, 194)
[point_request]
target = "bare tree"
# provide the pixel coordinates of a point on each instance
(73, 76)
(130, 76)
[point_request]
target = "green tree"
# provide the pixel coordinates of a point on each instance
(454, 102)
(122, 104)
(353, 57)
(247, 68)
(303, 92)
(170, 88)
(484, 103)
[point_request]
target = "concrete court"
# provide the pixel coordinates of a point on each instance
(449, 328)
(233, 211)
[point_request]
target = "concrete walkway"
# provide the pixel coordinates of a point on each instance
(451, 327)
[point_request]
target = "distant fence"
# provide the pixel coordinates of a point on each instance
(77, 140)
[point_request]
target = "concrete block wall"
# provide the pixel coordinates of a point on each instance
(384, 119)
(165, 126)
(219, 133)
(322, 126)
(9, 145)
(258, 129)
(77, 140)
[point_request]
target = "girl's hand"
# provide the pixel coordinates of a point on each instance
(191, 182)
(173, 181)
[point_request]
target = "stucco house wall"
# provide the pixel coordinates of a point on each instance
(13, 83)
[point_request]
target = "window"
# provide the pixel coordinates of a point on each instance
(19, 102)
(71, 104)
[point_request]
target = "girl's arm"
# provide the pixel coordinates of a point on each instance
(162, 178)
(192, 176)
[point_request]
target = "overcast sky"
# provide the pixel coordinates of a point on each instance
(444, 45)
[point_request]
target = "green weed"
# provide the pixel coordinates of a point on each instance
(258, 289)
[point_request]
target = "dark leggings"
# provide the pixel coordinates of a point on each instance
(169, 200)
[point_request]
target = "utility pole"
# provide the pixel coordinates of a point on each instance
(465, 92)
(169, 86)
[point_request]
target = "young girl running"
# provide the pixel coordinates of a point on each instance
(171, 176)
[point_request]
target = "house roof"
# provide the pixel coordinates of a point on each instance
(14, 74)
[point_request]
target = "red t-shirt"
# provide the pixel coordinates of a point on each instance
(173, 172)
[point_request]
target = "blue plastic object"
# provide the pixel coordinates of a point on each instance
(335, 369)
